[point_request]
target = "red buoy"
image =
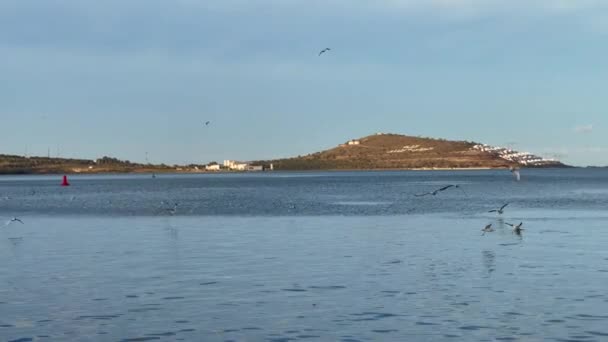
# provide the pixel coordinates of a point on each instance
(65, 181)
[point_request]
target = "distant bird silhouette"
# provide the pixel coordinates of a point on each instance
(499, 210)
(435, 192)
(488, 228)
(172, 211)
(324, 51)
(207, 123)
(515, 172)
(516, 228)
(14, 219)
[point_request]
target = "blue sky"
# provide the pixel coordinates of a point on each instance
(125, 77)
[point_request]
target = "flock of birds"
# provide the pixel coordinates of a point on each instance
(517, 228)
(487, 229)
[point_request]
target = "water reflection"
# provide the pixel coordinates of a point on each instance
(489, 261)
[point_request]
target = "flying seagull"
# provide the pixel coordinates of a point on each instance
(515, 172)
(14, 219)
(488, 228)
(500, 210)
(516, 228)
(173, 210)
(207, 123)
(324, 51)
(435, 192)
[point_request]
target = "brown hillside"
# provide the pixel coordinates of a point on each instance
(393, 151)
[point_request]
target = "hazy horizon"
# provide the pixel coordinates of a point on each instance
(87, 79)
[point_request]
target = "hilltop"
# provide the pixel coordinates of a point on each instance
(394, 151)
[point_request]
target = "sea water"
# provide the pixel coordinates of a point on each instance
(320, 256)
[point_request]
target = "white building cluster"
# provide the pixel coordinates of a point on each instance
(240, 166)
(234, 165)
(523, 158)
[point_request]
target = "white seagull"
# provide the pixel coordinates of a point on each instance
(515, 172)
(488, 228)
(516, 228)
(499, 210)
(173, 210)
(14, 219)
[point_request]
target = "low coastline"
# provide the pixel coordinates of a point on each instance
(189, 171)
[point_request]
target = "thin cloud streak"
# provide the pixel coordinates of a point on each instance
(583, 129)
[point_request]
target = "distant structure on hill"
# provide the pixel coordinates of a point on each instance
(394, 151)
(522, 158)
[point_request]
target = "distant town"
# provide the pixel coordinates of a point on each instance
(233, 165)
(522, 158)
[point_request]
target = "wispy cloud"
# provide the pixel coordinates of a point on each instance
(583, 129)
(468, 5)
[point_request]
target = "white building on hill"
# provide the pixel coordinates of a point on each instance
(523, 158)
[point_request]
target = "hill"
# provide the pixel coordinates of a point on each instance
(394, 151)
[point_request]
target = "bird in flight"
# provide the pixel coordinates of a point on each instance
(499, 210)
(488, 228)
(173, 210)
(516, 227)
(207, 123)
(515, 172)
(324, 51)
(435, 192)
(14, 219)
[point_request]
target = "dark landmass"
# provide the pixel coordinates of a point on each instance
(393, 151)
(10, 164)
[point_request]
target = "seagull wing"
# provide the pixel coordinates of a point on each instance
(509, 224)
(445, 187)
(18, 220)
(517, 175)
(493, 211)
(501, 208)
(424, 194)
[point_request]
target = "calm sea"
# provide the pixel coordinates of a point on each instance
(323, 256)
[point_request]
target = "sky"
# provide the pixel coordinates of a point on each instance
(137, 79)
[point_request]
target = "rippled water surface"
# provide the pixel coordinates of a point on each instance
(305, 256)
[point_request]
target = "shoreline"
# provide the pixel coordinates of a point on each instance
(161, 172)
